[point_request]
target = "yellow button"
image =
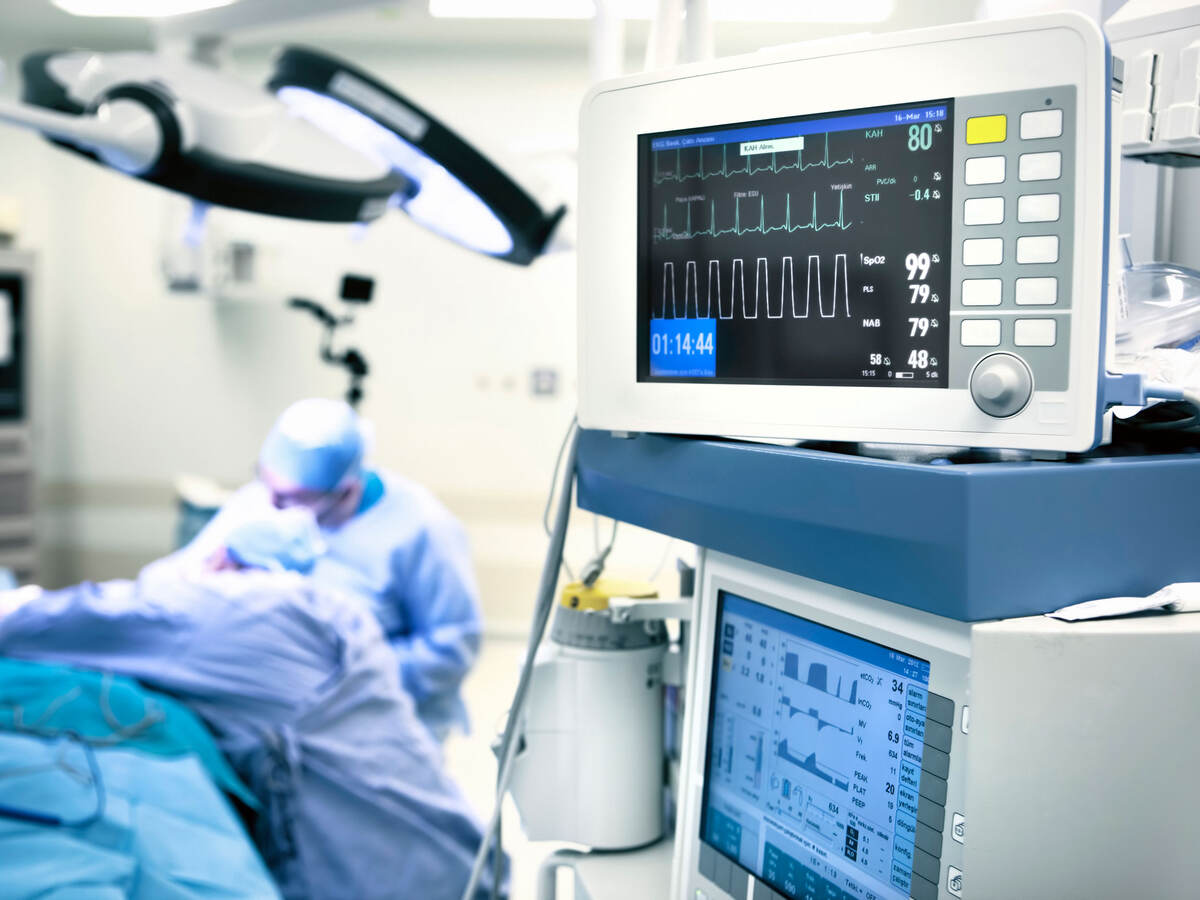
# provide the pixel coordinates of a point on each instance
(987, 129)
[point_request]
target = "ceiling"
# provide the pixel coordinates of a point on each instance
(26, 25)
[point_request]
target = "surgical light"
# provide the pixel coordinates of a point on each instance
(195, 130)
(138, 8)
(454, 191)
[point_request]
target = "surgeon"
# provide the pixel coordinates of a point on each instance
(387, 539)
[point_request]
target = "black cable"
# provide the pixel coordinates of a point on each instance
(1168, 416)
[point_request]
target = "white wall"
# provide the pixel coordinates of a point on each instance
(136, 385)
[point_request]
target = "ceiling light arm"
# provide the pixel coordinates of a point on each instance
(666, 35)
(699, 43)
(123, 132)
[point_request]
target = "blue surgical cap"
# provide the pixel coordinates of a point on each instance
(287, 539)
(315, 445)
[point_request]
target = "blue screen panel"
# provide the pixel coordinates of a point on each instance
(814, 755)
(683, 348)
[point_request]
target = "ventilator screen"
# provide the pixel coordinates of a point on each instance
(813, 770)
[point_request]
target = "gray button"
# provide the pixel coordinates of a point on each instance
(938, 735)
(966, 720)
(1040, 166)
(762, 892)
(723, 872)
(1042, 123)
(1035, 332)
(1001, 385)
(934, 788)
(925, 865)
(931, 814)
(939, 708)
(980, 332)
(739, 881)
(1042, 291)
(708, 862)
(984, 170)
(983, 251)
(929, 840)
(920, 889)
(954, 880)
(935, 762)
(958, 829)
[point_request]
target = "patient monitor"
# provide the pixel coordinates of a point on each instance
(884, 238)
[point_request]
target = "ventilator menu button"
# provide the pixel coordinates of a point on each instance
(1044, 123)
(954, 880)
(984, 170)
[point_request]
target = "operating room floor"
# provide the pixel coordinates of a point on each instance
(488, 691)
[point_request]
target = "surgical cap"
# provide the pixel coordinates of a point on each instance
(287, 539)
(315, 445)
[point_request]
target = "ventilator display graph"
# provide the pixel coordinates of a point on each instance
(808, 777)
(808, 250)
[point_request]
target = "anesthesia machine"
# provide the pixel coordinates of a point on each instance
(900, 239)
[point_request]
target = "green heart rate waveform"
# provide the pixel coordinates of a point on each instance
(749, 168)
(667, 232)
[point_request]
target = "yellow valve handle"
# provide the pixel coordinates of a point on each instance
(579, 596)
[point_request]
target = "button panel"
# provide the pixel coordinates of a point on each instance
(931, 800)
(1014, 222)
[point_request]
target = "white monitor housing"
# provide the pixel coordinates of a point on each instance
(898, 238)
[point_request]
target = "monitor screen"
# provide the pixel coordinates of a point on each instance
(805, 250)
(814, 754)
(12, 346)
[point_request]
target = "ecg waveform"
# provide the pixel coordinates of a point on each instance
(701, 174)
(752, 293)
(666, 232)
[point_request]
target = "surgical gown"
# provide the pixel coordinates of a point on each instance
(410, 558)
(302, 694)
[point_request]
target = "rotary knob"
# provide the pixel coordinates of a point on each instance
(1001, 385)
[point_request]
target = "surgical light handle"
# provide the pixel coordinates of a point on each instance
(122, 132)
